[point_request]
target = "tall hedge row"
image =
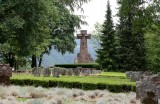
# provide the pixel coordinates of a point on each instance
(79, 85)
(94, 65)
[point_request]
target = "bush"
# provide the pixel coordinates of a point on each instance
(94, 65)
(53, 83)
(89, 86)
(120, 88)
(101, 86)
(65, 84)
(79, 85)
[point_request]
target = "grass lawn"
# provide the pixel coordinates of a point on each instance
(114, 78)
(21, 99)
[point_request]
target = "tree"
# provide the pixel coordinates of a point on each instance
(132, 51)
(96, 35)
(27, 27)
(63, 30)
(152, 36)
(107, 53)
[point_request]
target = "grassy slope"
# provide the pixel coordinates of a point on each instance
(113, 78)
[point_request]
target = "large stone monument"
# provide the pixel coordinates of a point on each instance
(83, 56)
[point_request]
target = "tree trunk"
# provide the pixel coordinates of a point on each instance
(34, 61)
(40, 60)
(16, 67)
(11, 59)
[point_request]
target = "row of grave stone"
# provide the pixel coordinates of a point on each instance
(148, 88)
(63, 71)
(136, 75)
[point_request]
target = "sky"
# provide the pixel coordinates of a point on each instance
(95, 11)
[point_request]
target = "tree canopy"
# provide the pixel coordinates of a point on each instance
(107, 53)
(30, 27)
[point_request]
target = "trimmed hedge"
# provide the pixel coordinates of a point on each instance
(84, 86)
(94, 65)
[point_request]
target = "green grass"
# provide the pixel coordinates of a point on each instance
(115, 74)
(113, 78)
(21, 99)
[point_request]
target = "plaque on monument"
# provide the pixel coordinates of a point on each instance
(83, 56)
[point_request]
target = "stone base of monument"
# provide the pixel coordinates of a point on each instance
(84, 58)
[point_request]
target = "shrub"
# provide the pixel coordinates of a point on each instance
(79, 85)
(120, 88)
(89, 86)
(53, 83)
(94, 65)
(65, 84)
(101, 86)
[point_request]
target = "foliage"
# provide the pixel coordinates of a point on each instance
(94, 65)
(152, 36)
(96, 35)
(153, 44)
(107, 53)
(63, 30)
(28, 28)
(23, 24)
(132, 50)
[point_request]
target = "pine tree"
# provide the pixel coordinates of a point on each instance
(132, 52)
(106, 54)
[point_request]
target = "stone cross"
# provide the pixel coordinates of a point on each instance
(83, 56)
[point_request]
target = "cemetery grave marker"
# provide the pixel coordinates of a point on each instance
(5, 74)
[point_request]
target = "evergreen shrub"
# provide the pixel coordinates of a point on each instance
(91, 65)
(85, 86)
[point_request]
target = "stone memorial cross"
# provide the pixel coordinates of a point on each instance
(83, 56)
